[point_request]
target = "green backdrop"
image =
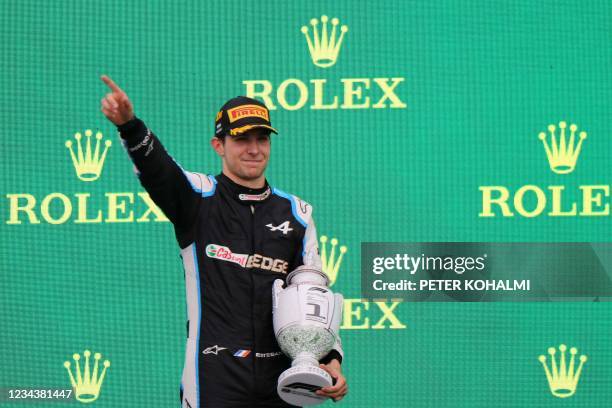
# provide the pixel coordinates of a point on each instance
(479, 80)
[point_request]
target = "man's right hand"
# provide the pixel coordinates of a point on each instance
(116, 105)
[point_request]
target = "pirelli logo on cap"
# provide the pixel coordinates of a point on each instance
(246, 111)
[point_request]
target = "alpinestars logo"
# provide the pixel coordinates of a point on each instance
(213, 350)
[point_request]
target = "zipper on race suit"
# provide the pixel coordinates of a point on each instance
(253, 300)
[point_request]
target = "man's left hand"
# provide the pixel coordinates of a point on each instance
(338, 390)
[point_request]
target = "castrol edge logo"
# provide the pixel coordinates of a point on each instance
(246, 111)
(223, 253)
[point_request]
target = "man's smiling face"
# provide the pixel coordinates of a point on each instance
(245, 156)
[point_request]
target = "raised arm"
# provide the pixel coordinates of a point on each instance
(177, 192)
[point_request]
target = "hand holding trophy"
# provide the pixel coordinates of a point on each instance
(306, 316)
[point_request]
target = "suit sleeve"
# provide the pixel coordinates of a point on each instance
(175, 191)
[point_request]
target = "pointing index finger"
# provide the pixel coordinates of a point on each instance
(112, 85)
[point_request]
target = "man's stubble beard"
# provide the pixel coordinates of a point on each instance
(244, 175)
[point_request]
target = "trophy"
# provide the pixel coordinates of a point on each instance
(306, 316)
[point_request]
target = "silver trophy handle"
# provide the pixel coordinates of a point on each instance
(337, 318)
(277, 287)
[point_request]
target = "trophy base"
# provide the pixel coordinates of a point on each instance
(297, 385)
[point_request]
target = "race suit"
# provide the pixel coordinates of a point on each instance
(235, 241)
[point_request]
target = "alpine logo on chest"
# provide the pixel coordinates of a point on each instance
(283, 227)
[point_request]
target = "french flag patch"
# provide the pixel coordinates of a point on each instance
(242, 353)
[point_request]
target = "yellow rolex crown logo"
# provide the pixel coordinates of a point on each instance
(324, 48)
(562, 379)
(88, 165)
(87, 385)
(562, 152)
(330, 264)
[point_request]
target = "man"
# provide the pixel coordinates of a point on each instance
(237, 235)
